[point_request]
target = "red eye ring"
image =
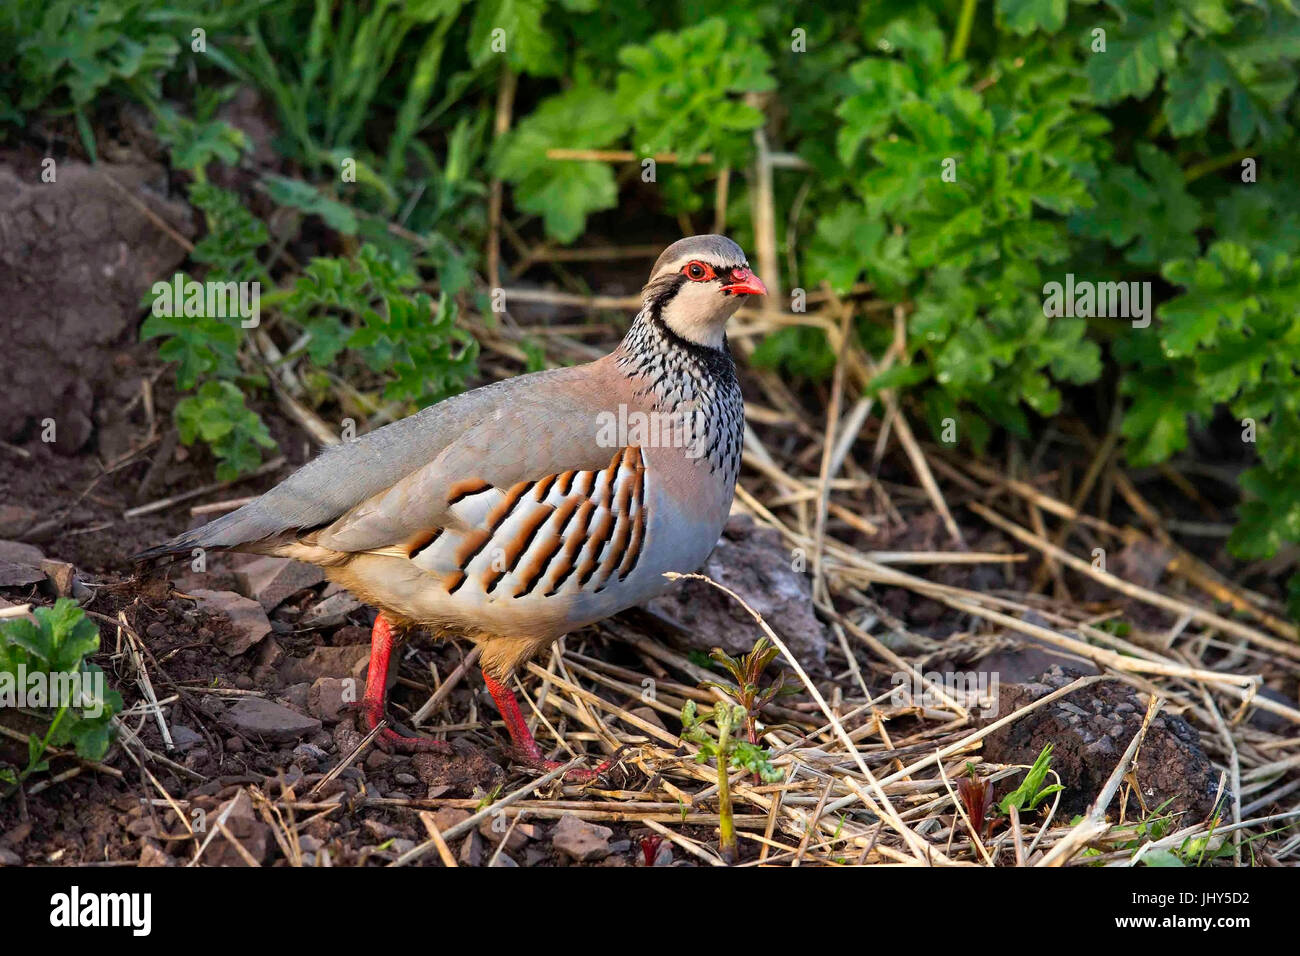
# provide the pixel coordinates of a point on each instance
(698, 271)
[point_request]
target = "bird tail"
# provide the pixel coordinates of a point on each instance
(248, 524)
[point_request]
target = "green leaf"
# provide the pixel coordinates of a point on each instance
(563, 192)
(1025, 16)
(300, 195)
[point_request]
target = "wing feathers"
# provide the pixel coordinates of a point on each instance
(570, 530)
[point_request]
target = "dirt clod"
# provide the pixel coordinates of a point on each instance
(1090, 730)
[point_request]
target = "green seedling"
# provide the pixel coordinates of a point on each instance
(729, 754)
(44, 655)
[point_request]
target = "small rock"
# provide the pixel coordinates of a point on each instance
(494, 830)
(323, 662)
(15, 575)
(184, 738)
(329, 696)
(406, 779)
(346, 737)
(235, 745)
(309, 751)
(60, 574)
(9, 858)
(258, 717)
(245, 826)
(500, 859)
(20, 552)
(152, 855)
(536, 854)
(753, 561)
(297, 696)
(1172, 769)
(579, 840)
(271, 580)
(471, 851)
(448, 817)
(20, 564)
(330, 611)
(248, 621)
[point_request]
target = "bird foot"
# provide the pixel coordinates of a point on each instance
(394, 741)
(372, 706)
(391, 741)
(582, 775)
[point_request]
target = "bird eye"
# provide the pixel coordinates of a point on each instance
(697, 271)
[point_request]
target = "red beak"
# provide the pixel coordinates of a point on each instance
(744, 282)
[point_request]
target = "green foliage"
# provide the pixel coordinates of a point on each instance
(234, 239)
(367, 304)
(682, 90)
(564, 193)
(69, 52)
(734, 753)
(54, 649)
(196, 142)
(218, 416)
(1031, 791)
(1229, 338)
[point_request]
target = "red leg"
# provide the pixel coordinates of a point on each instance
(373, 704)
(525, 743)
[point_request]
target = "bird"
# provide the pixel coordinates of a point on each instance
(522, 510)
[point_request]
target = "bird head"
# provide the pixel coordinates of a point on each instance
(697, 284)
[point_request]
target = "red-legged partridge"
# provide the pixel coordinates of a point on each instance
(522, 510)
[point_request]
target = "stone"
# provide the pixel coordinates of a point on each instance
(324, 662)
(579, 840)
(329, 697)
(248, 621)
(20, 564)
(245, 826)
(19, 552)
(257, 717)
(184, 738)
(494, 829)
(270, 581)
(61, 575)
(330, 611)
(152, 855)
(471, 851)
(754, 562)
(448, 817)
(15, 575)
(1172, 769)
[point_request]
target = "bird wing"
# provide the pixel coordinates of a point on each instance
(381, 489)
(575, 526)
